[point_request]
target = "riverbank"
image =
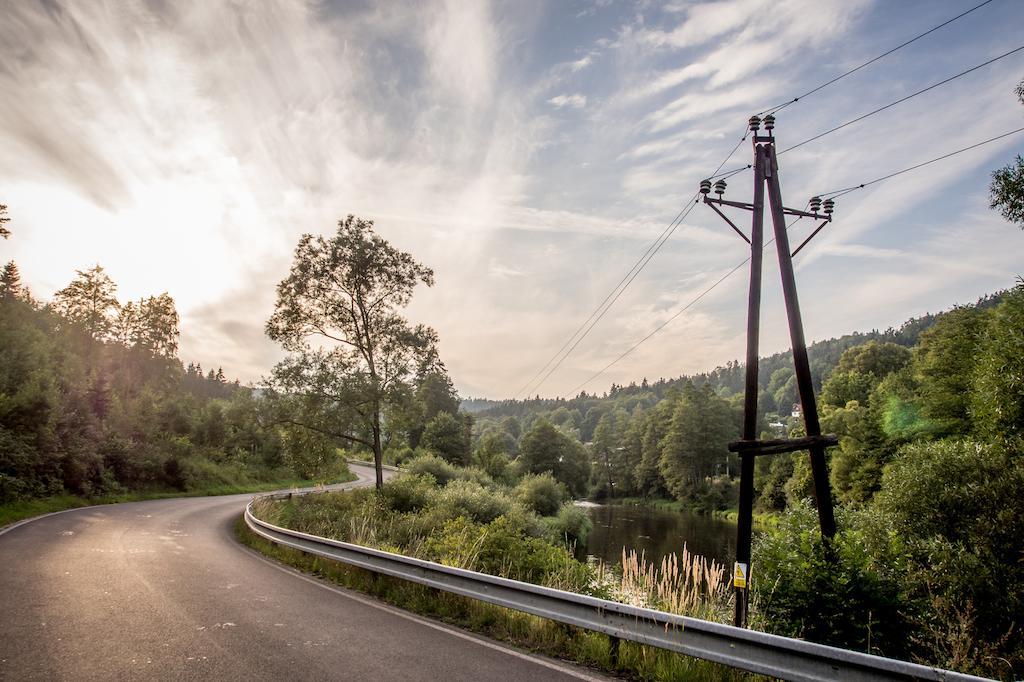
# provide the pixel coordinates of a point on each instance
(731, 514)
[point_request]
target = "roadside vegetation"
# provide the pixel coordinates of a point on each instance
(928, 480)
(524, 531)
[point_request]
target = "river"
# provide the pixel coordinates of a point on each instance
(657, 532)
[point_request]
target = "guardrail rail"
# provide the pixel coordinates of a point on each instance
(758, 652)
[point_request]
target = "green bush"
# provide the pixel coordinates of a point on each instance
(476, 475)
(571, 525)
(541, 493)
(835, 593)
(442, 471)
(959, 505)
(410, 492)
(470, 499)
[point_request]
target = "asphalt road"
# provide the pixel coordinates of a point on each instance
(162, 590)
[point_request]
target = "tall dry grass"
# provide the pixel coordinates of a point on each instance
(686, 584)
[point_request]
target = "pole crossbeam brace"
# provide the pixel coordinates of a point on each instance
(750, 207)
(809, 238)
(726, 219)
(781, 445)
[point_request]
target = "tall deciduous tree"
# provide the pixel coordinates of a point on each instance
(545, 448)
(158, 326)
(150, 324)
(695, 444)
(89, 301)
(445, 435)
(343, 294)
(1006, 192)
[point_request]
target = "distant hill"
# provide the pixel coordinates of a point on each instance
(727, 379)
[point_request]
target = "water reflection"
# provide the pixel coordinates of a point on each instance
(657, 532)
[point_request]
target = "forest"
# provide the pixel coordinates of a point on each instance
(95, 404)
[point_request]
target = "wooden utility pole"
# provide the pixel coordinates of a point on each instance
(766, 173)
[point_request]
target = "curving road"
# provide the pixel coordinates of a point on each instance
(162, 590)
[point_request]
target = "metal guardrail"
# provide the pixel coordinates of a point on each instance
(757, 652)
(361, 462)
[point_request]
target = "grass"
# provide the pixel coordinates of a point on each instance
(688, 585)
(24, 509)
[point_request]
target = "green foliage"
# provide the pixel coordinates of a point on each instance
(442, 471)
(546, 449)
(492, 455)
(464, 524)
(89, 301)
(959, 505)
(997, 396)
(944, 365)
(10, 282)
(346, 292)
(844, 387)
(445, 435)
(410, 492)
(96, 417)
(572, 525)
(772, 487)
(310, 454)
(694, 449)
(541, 493)
(474, 501)
(834, 593)
(1006, 192)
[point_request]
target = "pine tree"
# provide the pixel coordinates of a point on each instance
(10, 281)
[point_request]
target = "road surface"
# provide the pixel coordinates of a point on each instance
(162, 590)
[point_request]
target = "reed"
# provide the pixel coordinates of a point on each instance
(687, 584)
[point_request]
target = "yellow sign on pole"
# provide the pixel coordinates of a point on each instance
(739, 576)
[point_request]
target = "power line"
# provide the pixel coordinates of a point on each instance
(871, 61)
(599, 312)
(901, 100)
(662, 325)
(655, 245)
(620, 288)
(679, 312)
(603, 312)
(847, 190)
(833, 194)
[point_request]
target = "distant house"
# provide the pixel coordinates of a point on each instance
(797, 411)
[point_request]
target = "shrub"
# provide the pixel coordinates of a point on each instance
(571, 525)
(476, 475)
(959, 504)
(470, 499)
(409, 492)
(835, 594)
(503, 548)
(442, 471)
(541, 493)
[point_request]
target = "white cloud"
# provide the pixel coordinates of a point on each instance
(572, 101)
(581, 63)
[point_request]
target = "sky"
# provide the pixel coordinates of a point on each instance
(528, 152)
